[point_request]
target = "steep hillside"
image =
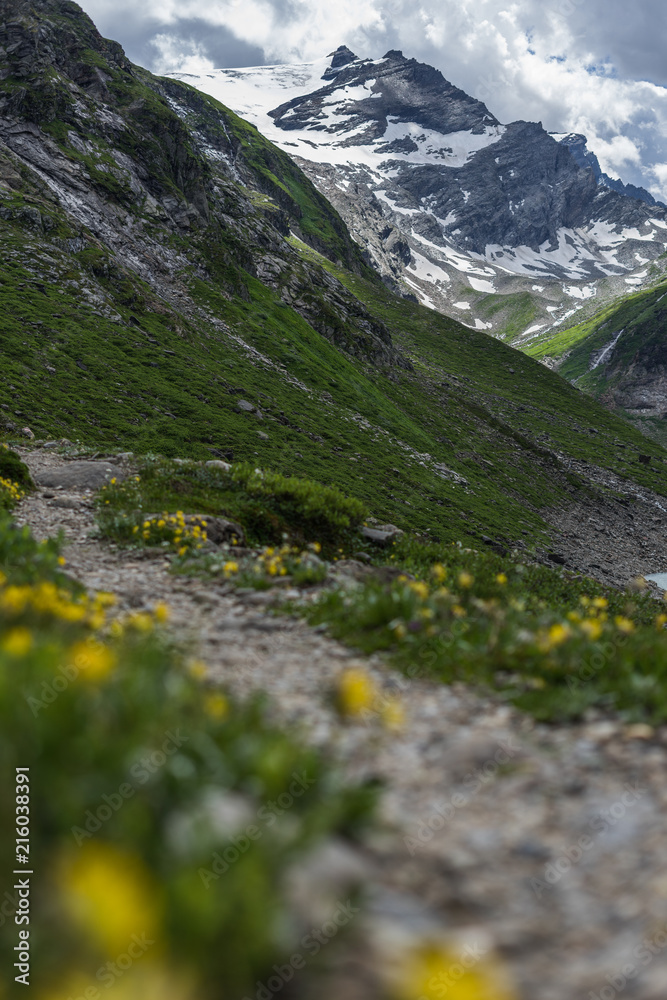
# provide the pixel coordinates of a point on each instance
(172, 282)
(619, 356)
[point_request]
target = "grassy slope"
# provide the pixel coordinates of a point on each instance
(516, 312)
(640, 320)
(598, 330)
(167, 385)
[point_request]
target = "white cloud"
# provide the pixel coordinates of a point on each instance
(588, 66)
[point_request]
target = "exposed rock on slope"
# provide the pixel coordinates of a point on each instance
(140, 163)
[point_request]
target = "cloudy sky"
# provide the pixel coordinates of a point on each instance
(591, 66)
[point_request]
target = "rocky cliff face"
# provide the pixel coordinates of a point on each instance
(122, 162)
(504, 227)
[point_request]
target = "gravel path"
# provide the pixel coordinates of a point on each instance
(544, 843)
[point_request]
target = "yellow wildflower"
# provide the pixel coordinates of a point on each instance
(501, 579)
(216, 705)
(93, 659)
(356, 692)
(162, 613)
(141, 621)
(17, 642)
(393, 714)
(465, 580)
(591, 628)
(439, 572)
(431, 969)
(600, 602)
(661, 621)
(198, 669)
(419, 588)
(231, 567)
(400, 631)
(105, 599)
(558, 634)
(108, 894)
(624, 625)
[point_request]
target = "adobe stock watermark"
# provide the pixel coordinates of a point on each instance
(644, 953)
(599, 825)
(311, 944)
(447, 979)
(266, 816)
(140, 772)
(445, 810)
(109, 973)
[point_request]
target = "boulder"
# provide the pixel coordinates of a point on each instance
(217, 463)
(350, 567)
(384, 534)
(85, 475)
(218, 529)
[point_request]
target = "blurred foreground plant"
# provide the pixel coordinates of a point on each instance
(141, 775)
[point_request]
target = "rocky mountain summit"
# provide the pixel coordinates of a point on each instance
(578, 146)
(502, 226)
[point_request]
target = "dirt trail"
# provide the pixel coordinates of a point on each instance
(545, 843)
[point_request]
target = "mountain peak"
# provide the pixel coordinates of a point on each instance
(342, 56)
(395, 54)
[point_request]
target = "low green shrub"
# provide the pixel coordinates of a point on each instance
(12, 468)
(269, 506)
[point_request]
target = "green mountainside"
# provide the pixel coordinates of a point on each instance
(619, 356)
(173, 283)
